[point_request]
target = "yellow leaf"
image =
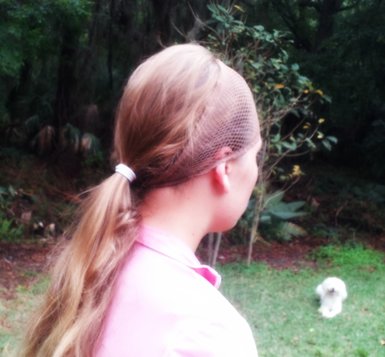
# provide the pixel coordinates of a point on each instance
(239, 8)
(296, 171)
(321, 120)
(319, 91)
(279, 86)
(320, 136)
(306, 91)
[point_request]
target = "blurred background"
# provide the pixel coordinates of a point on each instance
(316, 68)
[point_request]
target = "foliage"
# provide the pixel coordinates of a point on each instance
(45, 139)
(359, 93)
(10, 228)
(30, 39)
(373, 148)
(276, 214)
(94, 159)
(331, 233)
(73, 139)
(348, 184)
(347, 204)
(41, 199)
(340, 45)
(28, 27)
(57, 57)
(275, 217)
(86, 48)
(350, 255)
(285, 100)
(372, 192)
(276, 208)
(43, 107)
(284, 96)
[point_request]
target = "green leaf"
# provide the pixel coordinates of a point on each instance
(274, 199)
(332, 139)
(290, 146)
(286, 215)
(296, 205)
(326, 144)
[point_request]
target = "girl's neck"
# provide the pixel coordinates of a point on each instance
(178, 211)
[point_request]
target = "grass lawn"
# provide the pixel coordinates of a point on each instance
(15, 311)
(279, 304)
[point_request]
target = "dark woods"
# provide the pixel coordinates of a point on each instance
(63, 64)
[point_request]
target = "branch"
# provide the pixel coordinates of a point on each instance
(348, 7)
(310, 3)
(285, 11)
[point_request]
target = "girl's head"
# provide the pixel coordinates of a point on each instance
(182, 112)
(179, 109)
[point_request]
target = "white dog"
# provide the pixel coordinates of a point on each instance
(332, 292)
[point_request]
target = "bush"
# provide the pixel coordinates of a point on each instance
(350, 255)
(10, 228)
(284, 97)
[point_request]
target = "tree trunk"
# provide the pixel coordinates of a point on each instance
(214, 257)
(326, 13)
(162, 12)
(110, 44)
(19, 98)
(66, 81)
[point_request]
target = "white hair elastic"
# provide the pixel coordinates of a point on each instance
(126, 172)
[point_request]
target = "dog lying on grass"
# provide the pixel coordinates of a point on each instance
(332, 292)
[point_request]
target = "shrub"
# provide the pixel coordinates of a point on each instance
(10, 228)
(353, 255)
(285, 98)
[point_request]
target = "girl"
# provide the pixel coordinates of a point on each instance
(128, 282)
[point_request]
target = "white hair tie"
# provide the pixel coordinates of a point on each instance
(126, 172)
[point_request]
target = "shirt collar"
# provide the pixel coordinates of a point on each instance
(176, 249)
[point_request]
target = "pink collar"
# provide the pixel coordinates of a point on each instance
(175, 249)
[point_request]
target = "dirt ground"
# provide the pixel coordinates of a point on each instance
(20, 262)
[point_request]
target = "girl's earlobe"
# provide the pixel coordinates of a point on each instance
(221, 177)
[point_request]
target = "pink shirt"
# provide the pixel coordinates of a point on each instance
(167, 305)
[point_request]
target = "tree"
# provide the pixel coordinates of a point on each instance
(279, 88)
(60, 57)
(339, 44)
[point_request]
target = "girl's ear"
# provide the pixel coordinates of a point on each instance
(221, 177)
(222, 170)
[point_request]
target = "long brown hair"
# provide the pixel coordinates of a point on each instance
(177, 108)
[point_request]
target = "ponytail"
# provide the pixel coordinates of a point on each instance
(70, 320)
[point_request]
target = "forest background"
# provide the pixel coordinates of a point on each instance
(316, 68)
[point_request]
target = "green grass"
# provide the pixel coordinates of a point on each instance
(281, 306)
(15, 311)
